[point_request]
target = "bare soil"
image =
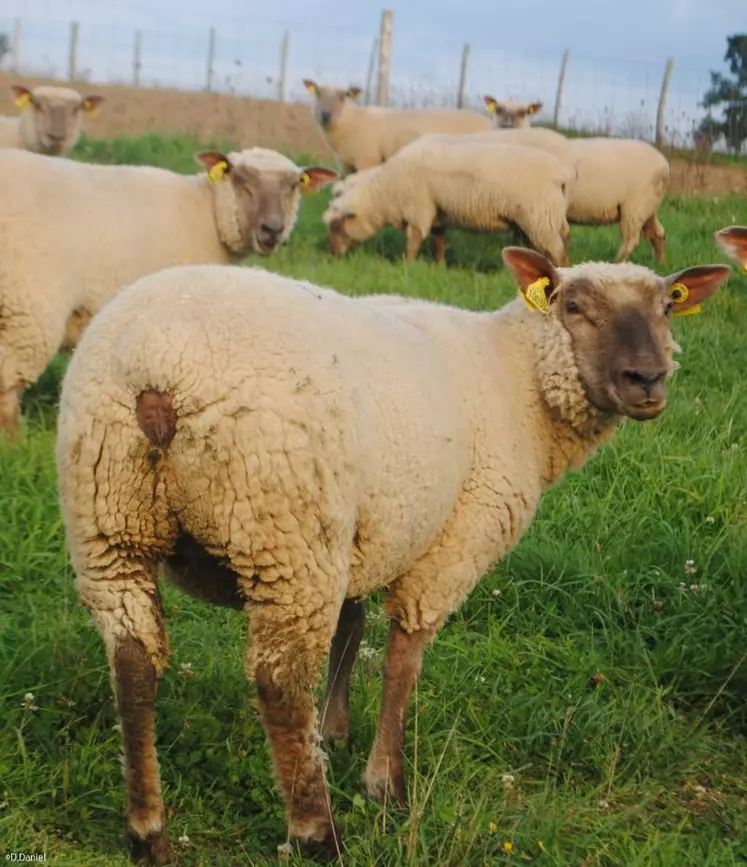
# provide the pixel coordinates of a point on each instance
(213, 117)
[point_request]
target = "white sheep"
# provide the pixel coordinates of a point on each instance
(733, 241)
(71, 234)
(364, 136)
(475, 182)
(287, 450)
(511, 114)
(617, 181)
(50, 119)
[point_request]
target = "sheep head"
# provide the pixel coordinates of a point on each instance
(511, 115)
(733, 241)
(615, 319)
(259, 194)
(330, 102)
(55, 115)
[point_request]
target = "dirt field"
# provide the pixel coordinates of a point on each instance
(214, 116)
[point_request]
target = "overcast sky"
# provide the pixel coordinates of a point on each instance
(617, 49)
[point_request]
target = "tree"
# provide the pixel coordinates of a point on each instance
(731, 93)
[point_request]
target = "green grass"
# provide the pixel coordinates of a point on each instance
(645, 766)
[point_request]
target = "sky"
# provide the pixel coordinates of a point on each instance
(618, 50)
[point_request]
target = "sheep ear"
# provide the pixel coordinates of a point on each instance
(537, 277)
(313, 178)
(216, 164)
(92, 102)
(22, 96)
(311, 86)
(353, 92)
(534, 108)
(733, 241)
(690, 287)
(491, 103)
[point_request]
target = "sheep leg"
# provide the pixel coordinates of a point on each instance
(654, 232)
(385, 771)
(127, 610)
(630, 232)
(286, 658)
(438, 233)
(415, 238)
(336, 705)
(10, 413)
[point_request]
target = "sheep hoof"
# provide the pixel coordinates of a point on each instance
(389, 790)
(154, 851)
(329, 848)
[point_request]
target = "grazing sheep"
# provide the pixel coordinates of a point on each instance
(511, 114)
(366, 136)
(733, 241)
(287, 450)
(72, 234)
(474, 182)
(50, 122)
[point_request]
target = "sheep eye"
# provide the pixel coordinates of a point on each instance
(572, 308)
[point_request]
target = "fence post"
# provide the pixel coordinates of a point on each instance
(463, 77)
(663, 103)
(559, 92)
(15, 50)
(385, 56)
(72, 61)
(371, 67)
(210, 60)
(283, 65)
(136, 61)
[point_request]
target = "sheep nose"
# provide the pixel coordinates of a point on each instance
(646, 379)
(325, 117)
(272, 228)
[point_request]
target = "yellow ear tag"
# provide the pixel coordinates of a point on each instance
(217, 172)
(535, 296)
(23, 101)
(90, 109)
(679, 294)
(491, 107)
(744, 268)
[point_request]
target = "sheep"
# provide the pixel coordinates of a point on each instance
(733, 241)
(511, 114)
(618, 181)
(50, 122)
(287, 450)
(72, 234)
(367, 136)
(475, 182)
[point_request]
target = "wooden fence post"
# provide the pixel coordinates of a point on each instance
(210, 60)
(463, 77)
(15, 49)
(559, 92)
(385, 57)
(72, 61)
(663, 103)
(136, 59)
(284, 45)
(370, 73)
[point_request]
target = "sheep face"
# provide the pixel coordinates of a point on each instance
(345, 228)
(56, 115)
(733, 241)
(511, 115)
(615, 317)
(330, 102)
(265, 200)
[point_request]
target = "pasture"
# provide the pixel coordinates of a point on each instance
(586, 706)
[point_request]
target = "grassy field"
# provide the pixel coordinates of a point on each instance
(586, 706)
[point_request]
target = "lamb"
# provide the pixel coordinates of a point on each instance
(733, 241)
(367, 136)
(511, 114)
(50, 122)
(287, 450)
(476, 182)
(73, 233)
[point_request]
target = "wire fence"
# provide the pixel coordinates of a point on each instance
(242, 51)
